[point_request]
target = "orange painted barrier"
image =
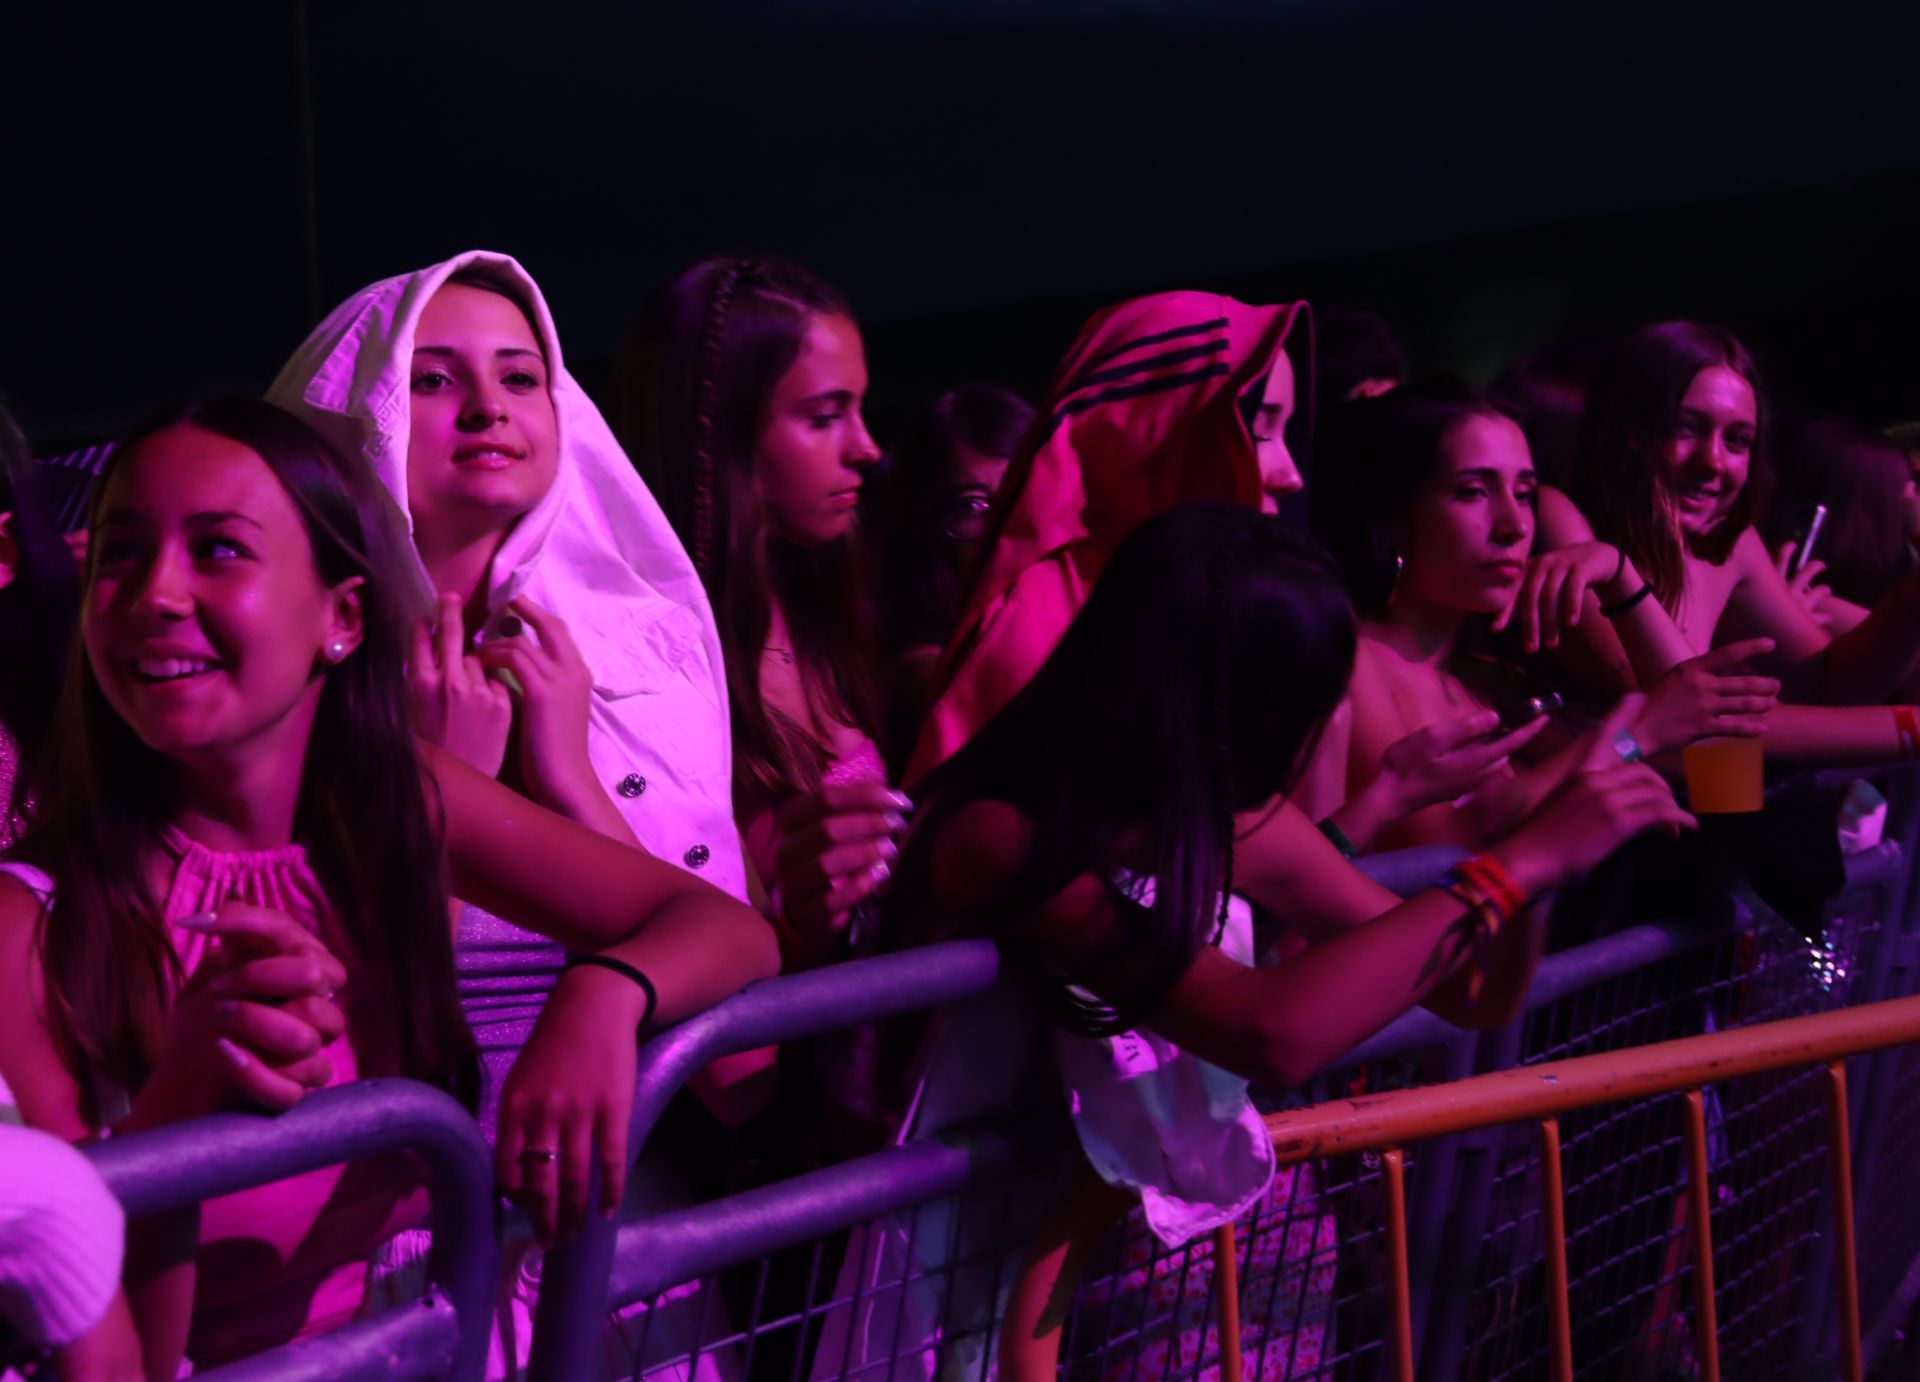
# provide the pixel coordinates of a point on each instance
(1387, 1122)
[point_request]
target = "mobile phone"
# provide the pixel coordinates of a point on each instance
(1549, 703)
(1803, 550)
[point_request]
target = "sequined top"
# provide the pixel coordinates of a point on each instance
(505, 976)
(9, 774)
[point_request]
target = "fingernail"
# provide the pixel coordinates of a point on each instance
(233, 1055)
(895, 822)
(198, 921)
(901, 800)
(889, 850)
(881, 871)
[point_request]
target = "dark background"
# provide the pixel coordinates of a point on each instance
(190, 187)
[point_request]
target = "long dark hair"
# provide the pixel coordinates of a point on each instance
(110, 967)
(37, 613)
(1620, 483)
(690, 399)
(1862, 478)
(1380, 455)
(1191, 686)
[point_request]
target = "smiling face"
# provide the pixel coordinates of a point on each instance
(205, 622)
(482, 445)
(1468, 531)
(1710, 452)
(813, 448)
(1279, 476)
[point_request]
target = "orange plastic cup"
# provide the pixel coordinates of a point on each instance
(1725, 777)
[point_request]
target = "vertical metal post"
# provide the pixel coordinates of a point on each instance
(1468, 1190)
(1846, 1272)
(1430, 1264)
(570, 1317)
(1394, 1165)
(1553, 1211)
(1226, 1300)
(1706, 1326)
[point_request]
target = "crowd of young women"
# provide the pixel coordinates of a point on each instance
(416, 721)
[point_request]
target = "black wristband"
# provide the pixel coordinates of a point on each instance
(1338, 838)
(621, 967)
(1620, 607)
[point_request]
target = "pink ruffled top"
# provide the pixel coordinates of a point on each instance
(287, 1259)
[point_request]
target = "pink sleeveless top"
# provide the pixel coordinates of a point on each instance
(287, 1259)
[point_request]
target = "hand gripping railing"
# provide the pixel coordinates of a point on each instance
(574, 1294)
(444, 1335)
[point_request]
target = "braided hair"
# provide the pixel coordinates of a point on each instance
(690, 394)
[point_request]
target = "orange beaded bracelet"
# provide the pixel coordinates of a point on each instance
(1492, 898)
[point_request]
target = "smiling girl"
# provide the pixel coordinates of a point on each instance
(1672, 471)
(197, 923)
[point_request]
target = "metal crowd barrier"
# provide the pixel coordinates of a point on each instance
(897, 1264)
(1543, 1094)
(996, 1172)
(445, 1334)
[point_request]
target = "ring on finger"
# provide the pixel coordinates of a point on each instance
(541, 1154)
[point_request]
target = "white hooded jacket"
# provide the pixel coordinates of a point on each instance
(596, 550)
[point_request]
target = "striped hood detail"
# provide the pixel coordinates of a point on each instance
(1143, 415)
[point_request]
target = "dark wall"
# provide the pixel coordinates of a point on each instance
(976, 173)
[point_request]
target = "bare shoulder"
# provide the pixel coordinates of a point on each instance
(1750, 555)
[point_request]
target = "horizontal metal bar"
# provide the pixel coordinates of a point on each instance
(1611, 956)
(186, 1163)
(803, 1005)
(682, 1245)
(1378, 1121)
(412, 1341)
(1408, 871)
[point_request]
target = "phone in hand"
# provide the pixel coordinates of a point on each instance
(1547, 703)
(1803, 548)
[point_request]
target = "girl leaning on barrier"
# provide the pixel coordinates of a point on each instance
(1099, 826)
(197, 922)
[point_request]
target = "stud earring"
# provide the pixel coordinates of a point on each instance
(335, 651)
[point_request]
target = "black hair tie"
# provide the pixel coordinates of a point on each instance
(1620, 607)
(621, 967)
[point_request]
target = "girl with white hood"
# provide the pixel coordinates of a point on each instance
(569, 649)
(572, 651)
